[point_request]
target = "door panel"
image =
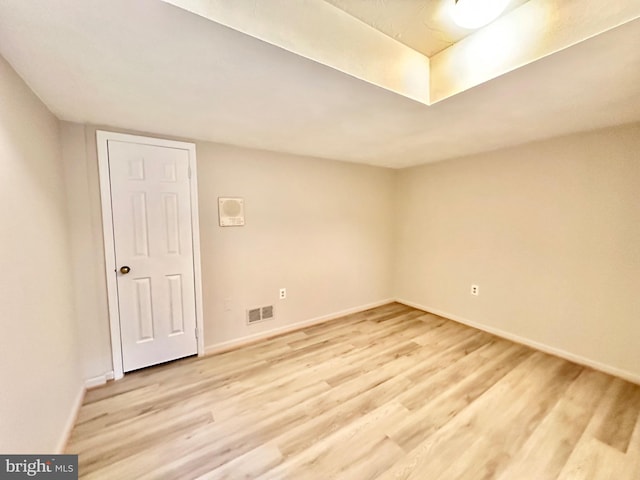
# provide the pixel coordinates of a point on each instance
(139, 221)
(172, 223)
(151, 205)
(142, 314)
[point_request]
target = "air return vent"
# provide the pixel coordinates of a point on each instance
(267, 312)
(260, 313)
(254, 315)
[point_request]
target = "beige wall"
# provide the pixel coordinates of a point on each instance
(549, 231)
(40, 376)
(87, 265)
(321, 229)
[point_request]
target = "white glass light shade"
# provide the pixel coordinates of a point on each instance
(477, 13)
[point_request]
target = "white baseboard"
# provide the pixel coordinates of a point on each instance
(238, 342)
(77, 403)
(71, 421)
(99, 380)
(617, 372)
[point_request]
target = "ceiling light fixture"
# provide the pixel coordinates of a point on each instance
(473, 14)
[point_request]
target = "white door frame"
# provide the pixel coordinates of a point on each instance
(102, 138)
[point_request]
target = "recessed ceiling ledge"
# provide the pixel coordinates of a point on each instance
(528, 33)
(322, 32)
(325, 34)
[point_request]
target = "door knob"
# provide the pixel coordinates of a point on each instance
(124, 270)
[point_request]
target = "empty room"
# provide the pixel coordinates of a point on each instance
(320, 239)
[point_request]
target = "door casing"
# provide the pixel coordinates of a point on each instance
(102, 138)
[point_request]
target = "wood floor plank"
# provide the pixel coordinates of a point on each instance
(361, 448)
(592, 458)
(546, 451)
(388, 393)
(617, 427)
(443, 404)
(631, 467)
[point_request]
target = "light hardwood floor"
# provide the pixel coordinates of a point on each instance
(390, 393)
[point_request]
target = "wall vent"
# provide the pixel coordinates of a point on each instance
(254, 315)
(260, 313)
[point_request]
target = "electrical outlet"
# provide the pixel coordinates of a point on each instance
(475, 290)
(283, 293)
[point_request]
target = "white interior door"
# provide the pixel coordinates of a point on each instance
(153, 246)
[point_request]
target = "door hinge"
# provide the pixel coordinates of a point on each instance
(189, 172)
(196, 333)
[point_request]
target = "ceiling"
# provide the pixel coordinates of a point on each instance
(149, 66)
(424, 25)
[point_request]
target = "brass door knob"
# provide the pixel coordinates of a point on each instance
(124, 270)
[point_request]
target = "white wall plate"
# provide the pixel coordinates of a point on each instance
(231, 211)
